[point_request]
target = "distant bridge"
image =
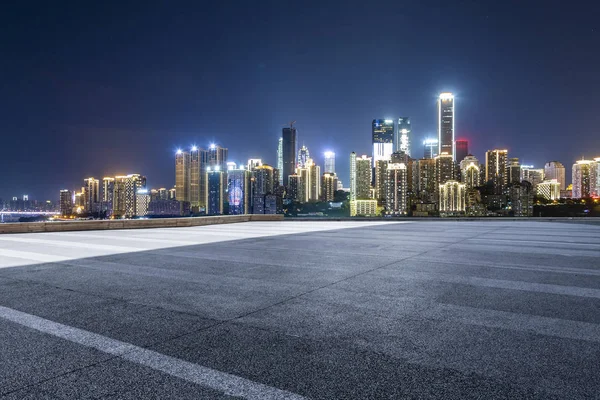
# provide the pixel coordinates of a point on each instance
(25, 213)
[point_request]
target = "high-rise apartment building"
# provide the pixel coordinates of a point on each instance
(452, 197)
(396, 189)
(513, 171)
(556, 170)
(217, 156)
(470, 172)
(310, 181)
(446, 124)
(182, 175)
(263, 183)
(329, 162)
(383, 139)
(361, 174)
(288, 148)
(108, 189)
(462, 149)
(495, 169)
(582, 179)
(66, 202)
(238, 191)
(280, 160)
(532, 175)
(430, 148)
(215, 190)
(91, 193)
(444, 168)
(328, 186)
(403, 135)
(142, 200)
(426, 182)
(197, 160)
(294, 188)
(352, 176)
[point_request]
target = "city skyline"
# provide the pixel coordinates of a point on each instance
(122, 106)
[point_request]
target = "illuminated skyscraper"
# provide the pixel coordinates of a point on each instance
(532, 175)
(430, 148)
(446, 124)
(462, 149)
(91, 193)
(329, 162)
(380, 180)
(288, 148)
(263, 183)
(328, 186)
(470, 171)
(215, 190)
(142, 200)
(427, 184)
(253, 163)
(396, 193)
(303, 156)
(310, 181)
(361, 174)
(238, 191)
(582, 179)
(403, 135)
(108, 189)
(294, 188)
(66, 202)
(452, 197)
(444, 168)
(555, 170)
(182, 175)
(217, 156)
(495, 169)
(280, 160)
(197, 158)
(383, 139)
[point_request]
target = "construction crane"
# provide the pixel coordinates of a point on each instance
(292, 124)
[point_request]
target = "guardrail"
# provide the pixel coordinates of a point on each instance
(63, 226)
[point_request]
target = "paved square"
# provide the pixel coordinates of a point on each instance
(325, 310)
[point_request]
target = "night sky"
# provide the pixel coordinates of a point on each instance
(96, 89)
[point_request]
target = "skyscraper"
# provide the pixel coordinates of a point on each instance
(430, 148)
(361, 190)
(329, 162)
(403, 135)
(426, 180)
(470, 171)
(444, 168)
(452, 197)
(380, 180)
(288, 148)
(532, 175)
(215, 190)
(462, 149)
(66, 202)
(238, 191)
(328, 186)
(303, 156)
(513, 171)
(280, 160)
(217, 156)
(197, 158)
(352, 176)
(555, 170)
(582, 179)
(383, 139)
(142, 200)
(495, 169)
(108, 189)
(91, 193)
(253, 163)
(182, 175)
(446, 124)
(294, 188)
(396, 193)
(263, 183)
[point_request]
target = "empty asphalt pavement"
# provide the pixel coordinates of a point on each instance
(293, 310)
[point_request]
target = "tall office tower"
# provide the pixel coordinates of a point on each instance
(426, 188)
(396, 189)
(532, 175)
(513, 171)
(196, 160)
(403, 135)
(495, 169)
(238, 191)
(182, 175)
(253, 163)
(380, 178)
(328, 186)
(133, 183)
(108, 190)
(582, 179)
(142, 200)
(555, 170)
(362, 174)
(430, 148)
(383, 139)
(470, 172)
(315, 180)
(66, 202)
(462, 149)
(294, 188)
(288, 148)
(548, 189)
(329, 162)
(446, 124)
(280, 160)
(444, 168)
(215, 190)
(92, 193)
(452, 197)
(303, 156)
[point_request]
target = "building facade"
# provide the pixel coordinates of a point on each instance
(446, 124)
(403, 135)
(495, 169)
(382, 133)
(288, 148)
(556, 170)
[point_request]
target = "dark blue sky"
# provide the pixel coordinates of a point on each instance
(113, 88)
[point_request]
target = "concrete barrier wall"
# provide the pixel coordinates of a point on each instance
(63, 226)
